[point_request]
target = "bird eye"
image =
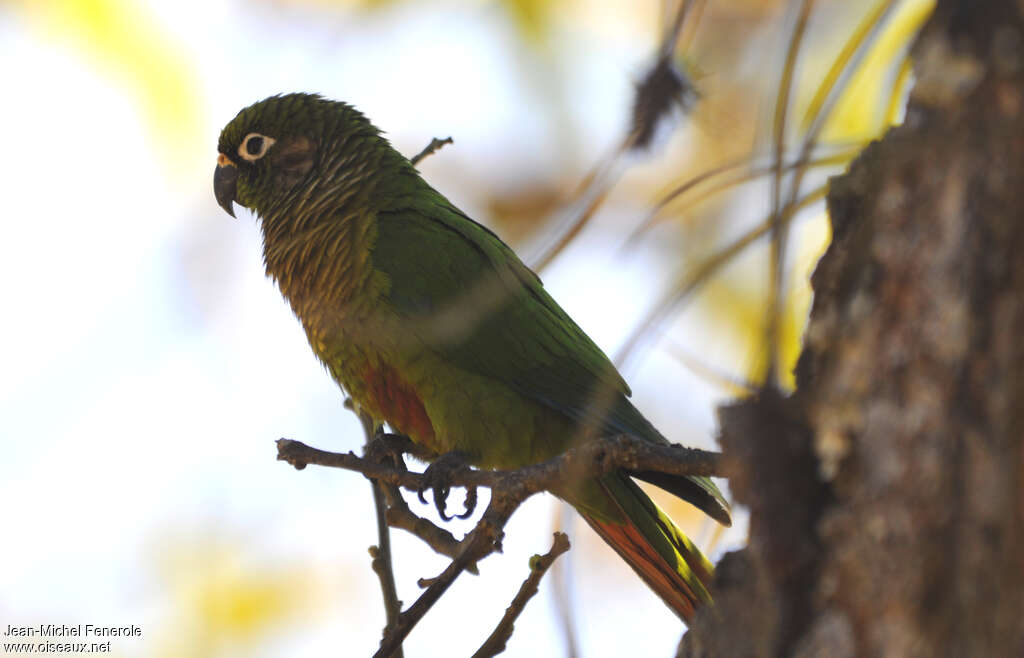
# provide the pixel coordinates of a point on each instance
(254, 146)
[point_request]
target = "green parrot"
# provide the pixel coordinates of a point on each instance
(433, 325)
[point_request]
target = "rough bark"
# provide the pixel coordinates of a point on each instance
(887, 493)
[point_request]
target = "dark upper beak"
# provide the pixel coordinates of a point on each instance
(224, 180)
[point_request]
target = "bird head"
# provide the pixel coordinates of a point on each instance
(275, 145)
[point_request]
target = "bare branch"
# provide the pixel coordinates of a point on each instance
(509, 489)
(539, 565)
(430, 149)
(593, 458)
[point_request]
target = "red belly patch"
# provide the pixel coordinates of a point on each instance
(399, 403)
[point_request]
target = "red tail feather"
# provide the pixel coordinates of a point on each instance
(659, 575)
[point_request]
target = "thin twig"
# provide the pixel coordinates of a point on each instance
(433, 146)
(481, 542)
(563, 576)
(381, 553)
(539, 565)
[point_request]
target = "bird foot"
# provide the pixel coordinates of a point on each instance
(438, 476)
(386, 448)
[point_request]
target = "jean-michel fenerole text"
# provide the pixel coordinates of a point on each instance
(73, 630)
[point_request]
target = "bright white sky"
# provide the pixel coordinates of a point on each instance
(149, 365)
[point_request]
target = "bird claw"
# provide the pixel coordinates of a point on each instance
(437, 478)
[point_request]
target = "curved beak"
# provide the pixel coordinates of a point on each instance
(224, 180)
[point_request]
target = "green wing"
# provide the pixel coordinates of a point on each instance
(468, 295)
(471, 299)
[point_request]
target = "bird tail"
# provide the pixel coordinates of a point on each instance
(647, 539)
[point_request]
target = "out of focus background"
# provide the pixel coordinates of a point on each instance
(148, 365)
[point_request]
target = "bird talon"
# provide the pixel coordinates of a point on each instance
(469, 504)
(437, 479)
(441, 502)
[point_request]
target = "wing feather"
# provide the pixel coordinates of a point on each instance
(469, 297)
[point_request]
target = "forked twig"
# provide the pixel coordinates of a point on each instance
(539, 564)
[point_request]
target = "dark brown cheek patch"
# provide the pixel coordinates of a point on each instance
(293, 157)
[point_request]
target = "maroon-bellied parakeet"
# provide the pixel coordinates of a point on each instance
(432, 324)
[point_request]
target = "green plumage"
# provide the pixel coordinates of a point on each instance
(432, 323)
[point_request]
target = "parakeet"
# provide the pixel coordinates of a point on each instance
(433, 325)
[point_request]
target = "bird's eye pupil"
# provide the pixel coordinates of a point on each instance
(254, 146)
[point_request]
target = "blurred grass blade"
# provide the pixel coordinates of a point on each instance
(690, 31)
(897, 97)
(779, 233)
(592, 192)
(869, 26)
(736, 386)
(654, 218)
(671, 301)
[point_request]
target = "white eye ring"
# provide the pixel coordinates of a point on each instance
(254, 146)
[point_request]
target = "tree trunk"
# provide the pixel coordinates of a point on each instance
(887, 493)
